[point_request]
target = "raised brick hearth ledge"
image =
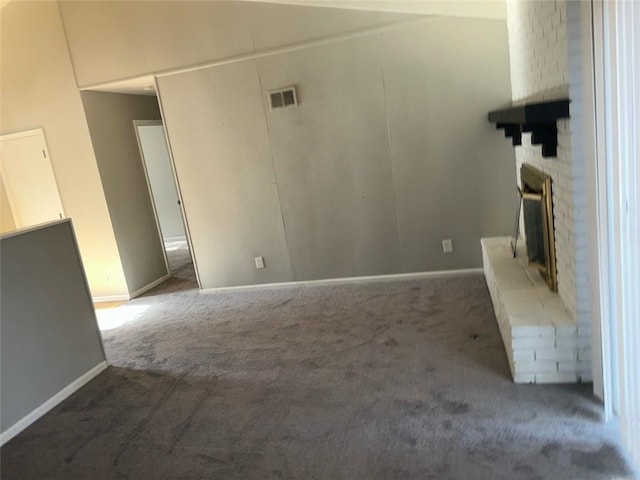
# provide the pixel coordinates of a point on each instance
(543, 343)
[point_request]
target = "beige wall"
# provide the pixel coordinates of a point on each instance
(388, 154)
(7, 223)
(37, 89)
(110, 117)
(115, 40)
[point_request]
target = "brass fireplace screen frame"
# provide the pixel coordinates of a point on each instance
(536, 187)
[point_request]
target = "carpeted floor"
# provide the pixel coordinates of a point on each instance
(180, 264)
(398, 380)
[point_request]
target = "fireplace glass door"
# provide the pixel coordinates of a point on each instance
(534, 225)
(537, 211)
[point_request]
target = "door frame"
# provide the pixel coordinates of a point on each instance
(160, 123)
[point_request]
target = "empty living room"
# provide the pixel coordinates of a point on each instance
(319, 239)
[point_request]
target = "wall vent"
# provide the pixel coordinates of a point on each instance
(283, 98)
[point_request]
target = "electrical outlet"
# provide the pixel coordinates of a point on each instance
(259, 262)
(447, 245)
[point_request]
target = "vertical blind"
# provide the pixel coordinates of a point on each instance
(621, 41)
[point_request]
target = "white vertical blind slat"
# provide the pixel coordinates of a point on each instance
(625, 106)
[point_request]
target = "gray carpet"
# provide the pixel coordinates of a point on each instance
(402, 380)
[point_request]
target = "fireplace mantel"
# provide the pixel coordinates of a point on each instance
(538, 118)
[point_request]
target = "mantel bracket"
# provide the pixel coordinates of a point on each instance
(537, 118)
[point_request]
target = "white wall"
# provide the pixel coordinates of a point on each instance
(388, 153)
(161, 181)
(38, 90)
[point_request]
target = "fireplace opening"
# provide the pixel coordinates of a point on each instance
(537, 212)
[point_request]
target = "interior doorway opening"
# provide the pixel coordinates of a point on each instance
(132, 151)
(165, 198)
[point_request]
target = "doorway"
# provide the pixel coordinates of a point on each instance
(29, 192)
(164, 196)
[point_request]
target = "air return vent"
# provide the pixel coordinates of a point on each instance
(283, 98)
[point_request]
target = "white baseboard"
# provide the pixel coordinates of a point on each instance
(175, 239)
(112, 298)
(125, 297)
(148, 287)
(27, 420)
(340, 281)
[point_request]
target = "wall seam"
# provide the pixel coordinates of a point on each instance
(66, 41)
(393, 180)
(273, 169)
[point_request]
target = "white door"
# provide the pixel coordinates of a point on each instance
(162, 184)
(28, 178)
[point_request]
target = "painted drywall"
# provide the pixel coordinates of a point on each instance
(220, 147)
(49, 332)
(116, 40)
(388, 153)
(453, 177)
(331, 158)
(7, 223)
(161, 181)
(39, 91)
(110, 117)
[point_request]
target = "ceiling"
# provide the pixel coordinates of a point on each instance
(135, 86)
(456, 8)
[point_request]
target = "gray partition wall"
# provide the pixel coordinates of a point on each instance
(50, 342)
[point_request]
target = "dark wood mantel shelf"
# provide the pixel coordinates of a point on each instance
(537, 118)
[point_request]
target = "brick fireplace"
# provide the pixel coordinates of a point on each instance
(551, 343)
